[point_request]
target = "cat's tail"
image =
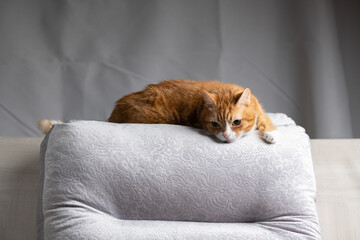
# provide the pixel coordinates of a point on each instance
(45, 125)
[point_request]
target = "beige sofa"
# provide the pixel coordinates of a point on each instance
(336, 162)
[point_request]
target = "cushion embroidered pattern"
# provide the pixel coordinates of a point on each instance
(146, 181)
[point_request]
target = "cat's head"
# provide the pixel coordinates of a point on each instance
(228, 113)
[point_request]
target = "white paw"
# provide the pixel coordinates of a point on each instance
(270, 137)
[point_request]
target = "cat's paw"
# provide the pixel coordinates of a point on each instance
(270, 136)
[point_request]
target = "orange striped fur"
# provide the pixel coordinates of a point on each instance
(214, 106)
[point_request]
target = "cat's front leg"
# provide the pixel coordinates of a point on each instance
(266, 128)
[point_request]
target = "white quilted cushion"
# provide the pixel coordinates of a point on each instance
(136, 181)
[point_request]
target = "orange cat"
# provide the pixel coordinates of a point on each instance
(226, 110)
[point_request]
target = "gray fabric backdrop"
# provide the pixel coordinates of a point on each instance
(73, 59)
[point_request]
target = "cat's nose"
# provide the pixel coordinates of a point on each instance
(226, 135)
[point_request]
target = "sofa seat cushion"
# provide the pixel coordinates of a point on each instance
(153, 181)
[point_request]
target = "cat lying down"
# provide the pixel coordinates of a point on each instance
(226, 110)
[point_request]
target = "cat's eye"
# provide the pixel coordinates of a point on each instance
(215, 124)
(236, 122)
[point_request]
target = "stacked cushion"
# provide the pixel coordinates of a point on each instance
(146, 181)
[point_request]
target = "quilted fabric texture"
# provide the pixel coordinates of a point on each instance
(142, 181)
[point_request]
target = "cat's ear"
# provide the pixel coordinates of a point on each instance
(244, 98)
(209, 99)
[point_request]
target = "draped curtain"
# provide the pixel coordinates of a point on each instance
(72, 59)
